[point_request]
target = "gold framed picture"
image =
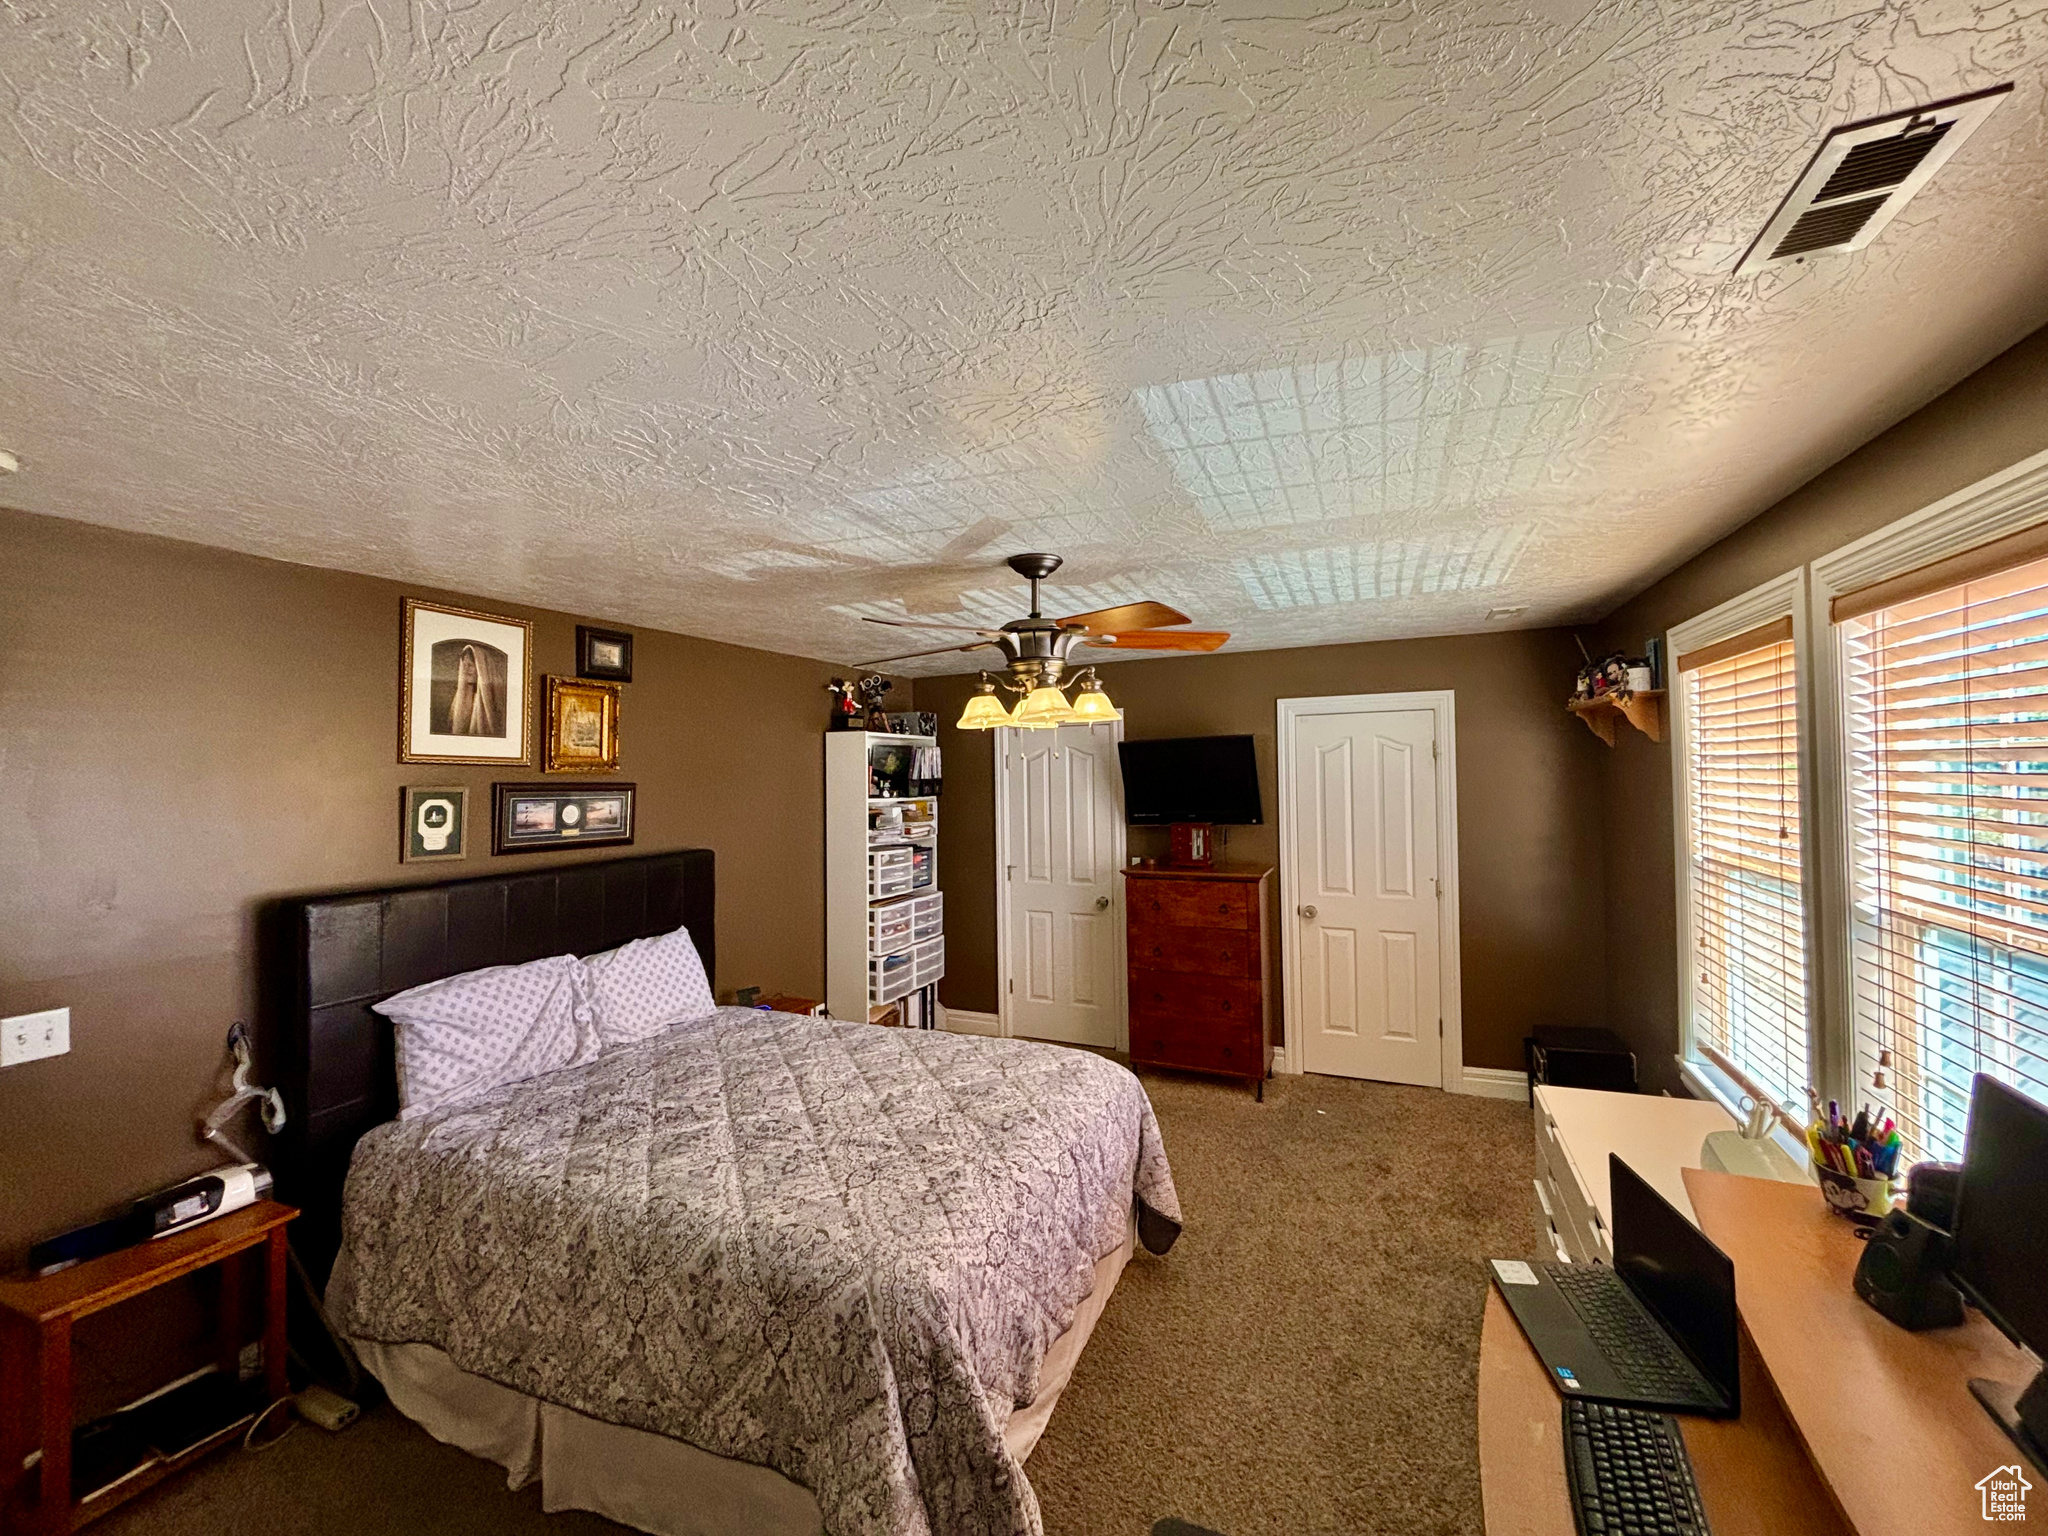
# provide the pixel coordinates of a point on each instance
(583, 727)
(464, 680)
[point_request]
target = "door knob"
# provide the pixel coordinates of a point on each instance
(1102, 903)
(1309, 913)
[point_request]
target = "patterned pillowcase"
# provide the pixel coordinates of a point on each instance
(465, 1035)
(643, 987)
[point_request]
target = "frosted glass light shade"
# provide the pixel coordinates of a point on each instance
(1092, 706)
(984, 712)
(1044, 709)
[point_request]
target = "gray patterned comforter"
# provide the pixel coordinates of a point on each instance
(833, 1249)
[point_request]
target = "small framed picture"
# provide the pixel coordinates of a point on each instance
(534, 817)
(604, 653)
(463, 682)
(433, 823)
(583, 727)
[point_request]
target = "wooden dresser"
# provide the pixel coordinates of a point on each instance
(1201, 971)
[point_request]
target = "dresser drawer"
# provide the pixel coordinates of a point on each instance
(1196, 951)
(1165, 995)
(1201, 1044)
(1192, 904)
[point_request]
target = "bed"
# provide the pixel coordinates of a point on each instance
(757, 1274)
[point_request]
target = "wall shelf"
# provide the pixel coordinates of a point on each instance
(1644, 711)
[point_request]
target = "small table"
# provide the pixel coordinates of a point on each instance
(784, 1002)
(36, 1318)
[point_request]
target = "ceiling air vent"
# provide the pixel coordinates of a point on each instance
(1862, 175)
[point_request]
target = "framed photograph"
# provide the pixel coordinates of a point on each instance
(604, 653)
(582, 726)
(433, 823)
(534, 817)
(464, 682)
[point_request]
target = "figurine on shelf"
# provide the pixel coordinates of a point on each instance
(845, 708)
(872, 690)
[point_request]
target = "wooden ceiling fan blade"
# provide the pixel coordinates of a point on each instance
(1162, 640)
(965, 629)
(944, 650)
(1125, 616)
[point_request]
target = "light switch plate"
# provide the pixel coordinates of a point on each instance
(32, 1036)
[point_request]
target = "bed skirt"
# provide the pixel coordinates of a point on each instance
(649, 1481)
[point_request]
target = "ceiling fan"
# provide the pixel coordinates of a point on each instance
(1038, 651)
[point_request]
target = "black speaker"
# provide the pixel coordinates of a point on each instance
(1931, 1193)
(1904, 1274)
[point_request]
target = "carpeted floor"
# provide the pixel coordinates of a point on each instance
(1302, 1362)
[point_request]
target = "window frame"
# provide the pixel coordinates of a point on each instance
(2011, 501)
(1782, 597)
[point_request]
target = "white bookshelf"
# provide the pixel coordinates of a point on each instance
(884, 916)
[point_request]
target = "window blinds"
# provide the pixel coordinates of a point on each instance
(1947, 701)
(1748, 915)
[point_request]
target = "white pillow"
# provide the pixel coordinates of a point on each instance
(643, 987)
(464, 1035)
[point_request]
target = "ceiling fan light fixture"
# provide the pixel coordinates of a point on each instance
(984, 711)
(1091, 705)
(1045, 708)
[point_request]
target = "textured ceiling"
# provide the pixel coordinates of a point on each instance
(1323, 322)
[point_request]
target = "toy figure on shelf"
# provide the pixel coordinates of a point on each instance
(845, 709)
(872, 690)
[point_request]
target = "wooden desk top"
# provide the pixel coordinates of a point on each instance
(1753, 1477)
(114, 1277)
(1163, 871)
(1886, 1415)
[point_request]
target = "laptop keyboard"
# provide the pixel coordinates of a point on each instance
(1628, 1472)
(1634, 1345)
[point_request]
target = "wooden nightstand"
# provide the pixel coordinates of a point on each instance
(36, 1318)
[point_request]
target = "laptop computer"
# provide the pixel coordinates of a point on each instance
(1657, 1330)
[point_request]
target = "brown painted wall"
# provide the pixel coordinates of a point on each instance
(1528, 815)
(1994, 418)
(186, 732)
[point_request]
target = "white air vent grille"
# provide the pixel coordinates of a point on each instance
(1864, 174)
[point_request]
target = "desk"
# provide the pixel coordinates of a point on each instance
(36, 1317)
(1754, 1478)
(1817, 1367)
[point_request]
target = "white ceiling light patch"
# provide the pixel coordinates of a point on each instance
(1325, 578)
(1454, 425)
(1862, 175)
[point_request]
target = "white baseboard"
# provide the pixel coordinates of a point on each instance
(1496, 1083)
(962, 1021)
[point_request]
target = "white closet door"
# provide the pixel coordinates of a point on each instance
(1365, 880)
(1065, 897)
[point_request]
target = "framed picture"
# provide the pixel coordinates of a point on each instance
(604, 653)
(464, 679)
(433, 823)
(582, 726)
(532, 817)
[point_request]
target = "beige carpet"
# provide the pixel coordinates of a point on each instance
(1301, 1363)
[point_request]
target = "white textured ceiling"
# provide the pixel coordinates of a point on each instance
(1323, 322)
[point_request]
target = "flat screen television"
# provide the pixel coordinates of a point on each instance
(1191, 778)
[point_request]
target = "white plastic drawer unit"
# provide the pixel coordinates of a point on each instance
(899, 924)
(898, 975)
(899, 871)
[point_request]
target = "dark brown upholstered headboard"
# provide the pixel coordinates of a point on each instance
(328, 958)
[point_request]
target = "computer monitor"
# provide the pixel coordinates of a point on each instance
(1678, 1272)
(2001, 1235)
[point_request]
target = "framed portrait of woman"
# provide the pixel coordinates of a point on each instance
(464, 682)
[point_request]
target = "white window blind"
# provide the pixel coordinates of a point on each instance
(1947, 696)
(1747, 911)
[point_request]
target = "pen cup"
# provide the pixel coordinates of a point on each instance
(1861, 1200)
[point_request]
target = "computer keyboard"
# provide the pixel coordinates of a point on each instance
(1634, 1345)
(1629, 1473)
